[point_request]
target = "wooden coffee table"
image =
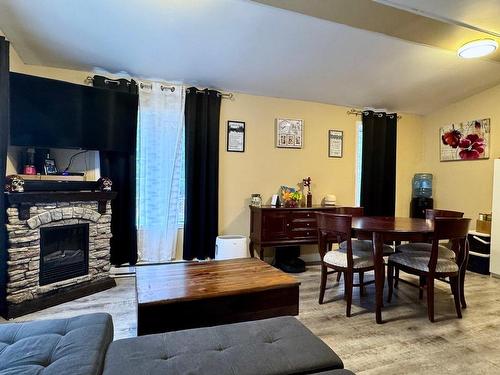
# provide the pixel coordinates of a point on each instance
(199, 294)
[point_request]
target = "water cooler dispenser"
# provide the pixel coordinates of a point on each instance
(421, 195)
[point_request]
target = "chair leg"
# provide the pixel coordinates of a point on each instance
(430, 298)
(396, 278)
(322, 286)
(361, 284)
(348, 281)
(339, 275)
(421, 287)
(390, 281)
(455, 289)
(462, 285)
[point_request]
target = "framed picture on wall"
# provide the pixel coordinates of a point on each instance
(469, 140)
(289, 133)
(335, 143)
(235, 136)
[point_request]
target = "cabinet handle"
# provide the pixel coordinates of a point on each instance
(480, 240)
(287, 224)
(308, 215)
(307, 233)
(308, 224)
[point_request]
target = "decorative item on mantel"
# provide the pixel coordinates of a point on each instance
(307, 183)
(104, 184)
(291, 198)
(14, 184)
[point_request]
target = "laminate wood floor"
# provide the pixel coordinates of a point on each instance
(407, 343)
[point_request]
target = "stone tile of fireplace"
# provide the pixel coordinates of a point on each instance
(119, 301)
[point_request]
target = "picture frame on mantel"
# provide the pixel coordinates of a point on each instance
(235, 136)
(335, 143)
(289, 133)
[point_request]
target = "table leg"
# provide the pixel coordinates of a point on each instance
(378, 243)
(251, 248)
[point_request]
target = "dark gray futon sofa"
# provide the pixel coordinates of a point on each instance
(84, 346)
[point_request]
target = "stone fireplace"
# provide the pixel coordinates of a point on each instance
(58, 248)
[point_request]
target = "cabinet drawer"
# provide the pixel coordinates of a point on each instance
(305, 224)
(479, 244)
(303, 215)
(303, 233)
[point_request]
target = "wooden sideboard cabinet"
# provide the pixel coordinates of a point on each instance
(274, 227)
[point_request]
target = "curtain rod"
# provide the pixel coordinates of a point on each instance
(228, 95)
(142, 85)
(357, 112)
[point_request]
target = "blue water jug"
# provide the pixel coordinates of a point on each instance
(422, 185)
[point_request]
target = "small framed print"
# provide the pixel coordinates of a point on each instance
(235, 136)
(289, 133)
(49, 166)
(335, 143)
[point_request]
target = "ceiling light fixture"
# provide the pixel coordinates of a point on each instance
(477, 48)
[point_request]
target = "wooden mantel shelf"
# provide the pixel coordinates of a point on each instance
(29, 198)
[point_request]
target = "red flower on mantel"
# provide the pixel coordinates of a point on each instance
(471, 146)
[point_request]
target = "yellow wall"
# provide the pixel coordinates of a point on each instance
(463, 185)
(263, 168)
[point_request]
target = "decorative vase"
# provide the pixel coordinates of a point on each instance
(309, 199)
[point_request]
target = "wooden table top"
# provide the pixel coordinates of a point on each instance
(170, 283)
(392, 224)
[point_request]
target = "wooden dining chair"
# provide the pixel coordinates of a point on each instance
(430, 266)
(443, 252)
(334, 228)
(358, 245)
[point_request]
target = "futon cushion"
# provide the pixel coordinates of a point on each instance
(335, 372)
(75, 346)
(265, 347)
(420, 261)
(443, 251)
(365, 245)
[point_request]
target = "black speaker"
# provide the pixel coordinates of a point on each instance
(419, 205)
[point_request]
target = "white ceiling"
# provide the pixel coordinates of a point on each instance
(239, 45)
(484, 14)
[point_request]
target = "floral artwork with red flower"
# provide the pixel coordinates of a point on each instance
(465, 141)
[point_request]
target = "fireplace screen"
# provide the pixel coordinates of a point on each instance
(64, 252)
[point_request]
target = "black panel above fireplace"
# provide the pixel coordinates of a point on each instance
(64, 252)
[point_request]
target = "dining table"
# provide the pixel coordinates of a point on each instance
(384, 230)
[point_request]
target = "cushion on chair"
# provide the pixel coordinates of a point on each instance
(361, 259)
(365, 245)
(75, 346)
(443, 251)
(335, 372)
(276, 346)
(420, 261)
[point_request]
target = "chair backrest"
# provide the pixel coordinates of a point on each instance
(432, 214)
(453, 229)
(334, 228)
(352, 211)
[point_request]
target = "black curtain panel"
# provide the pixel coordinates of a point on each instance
(120, 167)
(4, 139)
(378, 170)
(202, 112)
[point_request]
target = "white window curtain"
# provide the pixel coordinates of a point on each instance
(160, 168)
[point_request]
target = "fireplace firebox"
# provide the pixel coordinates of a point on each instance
(64, 252)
